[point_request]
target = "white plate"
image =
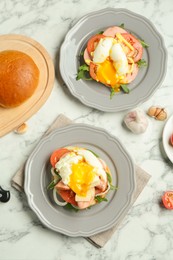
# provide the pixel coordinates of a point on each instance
(167, 131)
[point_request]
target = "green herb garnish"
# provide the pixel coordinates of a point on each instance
(144, 44)
(125, 88)
(70, 207)
(51, 185)
(109, 177)
(122, 25)
(112, 93)
(55, 180)
(93, 153)
(82, 53)
(83, 72)
(142, 63)
(101, 32)
(112, 187)
(56, 172)
(100, 199)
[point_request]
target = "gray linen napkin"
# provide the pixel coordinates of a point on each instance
(99, 240)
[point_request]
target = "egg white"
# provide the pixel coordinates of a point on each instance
(64, 165)
(102, 50)
(120, 60)
(108, 47)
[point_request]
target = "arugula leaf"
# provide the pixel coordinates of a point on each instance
(142, 63)
(70, 207)
(57, 172)
(82, 53)
(100, 199)
(93, 153)
(125, 88)
(144, 44)
(55, 180)
(122, 25)
(51, 185)
(83, 72)
(112, 93)
(109, 177)
(112, 187)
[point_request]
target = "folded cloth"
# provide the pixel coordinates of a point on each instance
(99, 240)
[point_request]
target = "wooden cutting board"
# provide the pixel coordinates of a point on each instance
(11, 118)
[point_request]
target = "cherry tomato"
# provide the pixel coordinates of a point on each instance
(93, 69)
(68, 196)
(91, 45)
(56, 155)
(137, 53)
(171, 140)
(167, 199)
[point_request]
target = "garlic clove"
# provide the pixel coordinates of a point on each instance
(151, 111)
(157, 112)
(21, 129)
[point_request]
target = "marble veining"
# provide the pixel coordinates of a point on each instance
(146, 232)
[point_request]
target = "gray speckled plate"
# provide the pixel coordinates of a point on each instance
(96, 95)
(101, 216)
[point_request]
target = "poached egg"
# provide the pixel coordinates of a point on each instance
(81, 170)
(111, 61)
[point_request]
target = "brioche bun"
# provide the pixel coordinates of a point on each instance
(19, 77)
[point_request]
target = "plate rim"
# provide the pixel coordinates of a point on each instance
(133, 103)
(80, 232)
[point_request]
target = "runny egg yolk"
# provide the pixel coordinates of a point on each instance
(106, 73)
(81, 178)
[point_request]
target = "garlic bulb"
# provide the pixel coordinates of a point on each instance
(136, 121)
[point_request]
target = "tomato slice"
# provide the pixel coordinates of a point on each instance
(93, 70)
(68, 196)
(91, 45)
(167, 199)
(137, 53)
(56, 155)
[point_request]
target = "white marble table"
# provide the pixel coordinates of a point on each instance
(146, 233)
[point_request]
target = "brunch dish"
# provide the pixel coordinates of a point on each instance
(80, 178)
(26, 70)
(125, 51)
(167, 138)
(63, 196)
(113, 57)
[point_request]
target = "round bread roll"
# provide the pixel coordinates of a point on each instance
(19, 77)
